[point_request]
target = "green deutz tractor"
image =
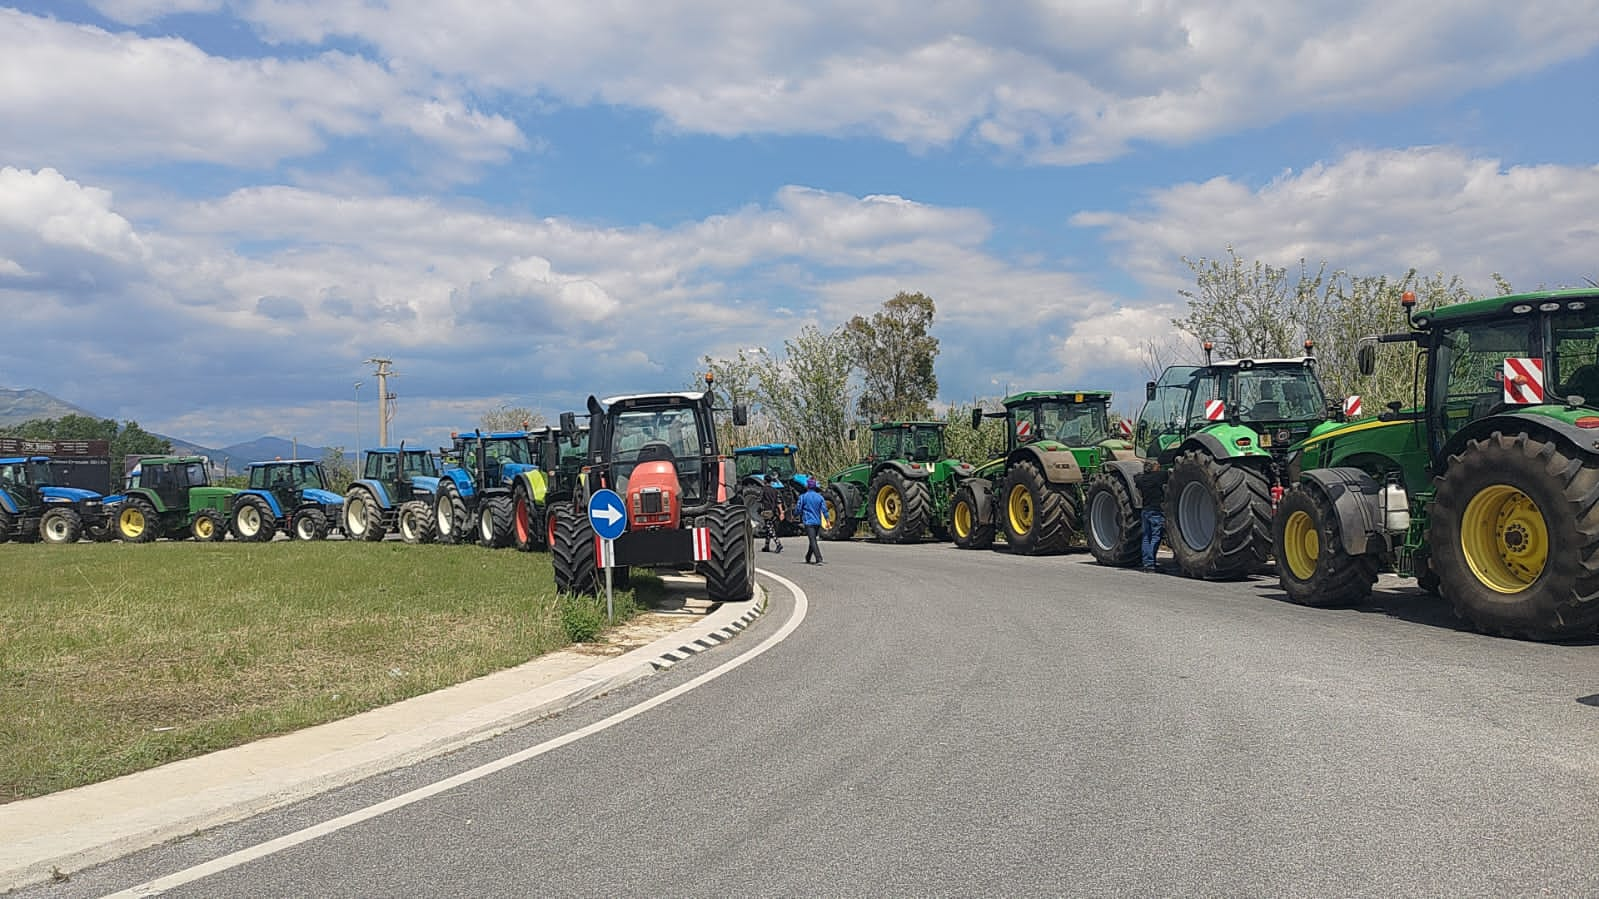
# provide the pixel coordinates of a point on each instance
(1483, 489)
(172, 496)
(903, 489)
(1222, 431)
(1054, 442)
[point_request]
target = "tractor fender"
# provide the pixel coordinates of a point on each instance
(983, 495)
(424, 484)
(853, 496)
(461, 480)
(1218, 441)
(1585, 442)
(911, 470)
(9, 504)
(1058, 466)
(271, 501)
(538, 484)
(380, 494)
(1356, 500)
(1127, 471)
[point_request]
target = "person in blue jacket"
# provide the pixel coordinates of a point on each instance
(811, 506)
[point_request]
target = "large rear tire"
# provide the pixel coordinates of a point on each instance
(60, 526)
(449, 515)
(137, 521)
(1513, 524)
(966, 521)
(494, 522)
(1218, 516)
(6, 524)
(208, 526)
(838, 522)
(527, 523)
(572, 554)
(899, 507)
(1115, 528)
(310, 524)
(1313, 567)
(1038, 519)
(372, 529)
(253, 521)
(729, 576)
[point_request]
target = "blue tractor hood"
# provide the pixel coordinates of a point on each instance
(67, 494)
(322, 497)
(802, 481)
(424, 483)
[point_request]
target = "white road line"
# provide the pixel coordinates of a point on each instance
(287, 841)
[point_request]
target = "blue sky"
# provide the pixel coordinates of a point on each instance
(212, 211)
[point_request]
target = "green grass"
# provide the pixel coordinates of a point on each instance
(115, 658)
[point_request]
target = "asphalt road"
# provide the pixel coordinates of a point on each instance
(951, 723)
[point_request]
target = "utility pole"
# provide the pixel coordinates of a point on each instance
(385, 398)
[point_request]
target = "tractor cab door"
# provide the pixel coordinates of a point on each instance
(1466, 380)
(169, 485)
(1163, 422)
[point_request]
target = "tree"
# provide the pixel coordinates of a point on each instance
(339, 467)
(974, 446)
(894, 353)
(129, 440)
(133, 440)
(505, 417)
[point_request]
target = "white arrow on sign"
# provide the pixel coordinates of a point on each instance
(609, 513)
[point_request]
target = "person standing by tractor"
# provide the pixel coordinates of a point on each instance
(771, 513)
(1152, 489)
(811, 505)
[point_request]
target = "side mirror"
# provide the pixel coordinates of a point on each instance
(1366, 358)
(569, 423)
(741, 414)
(1149, 390)
(977, 417)
(850, 435)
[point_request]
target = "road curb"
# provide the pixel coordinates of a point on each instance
(89, 825)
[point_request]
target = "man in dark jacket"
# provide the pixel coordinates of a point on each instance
(811, 506)
(771, 513)
(1152, 489)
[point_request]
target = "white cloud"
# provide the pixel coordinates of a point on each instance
(80, 93)
(48, 209)
(140, 12)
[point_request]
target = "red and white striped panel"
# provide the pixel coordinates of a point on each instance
(702, 544)
(1351, 407)
(1215, 410)
(1523, 380)
(1126, 428)
(1023, 429)
(604, 552)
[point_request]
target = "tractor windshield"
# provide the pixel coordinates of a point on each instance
(1574, 357)
(419, 463)
(37, 473)
(1273, 393)
(195, 474)
(288, 476)
(780, 464)
(508, 449)
(1469, 364)
(1165, 414)
(1074, 424)
(24, 474)
(671, 434)
(927, 443)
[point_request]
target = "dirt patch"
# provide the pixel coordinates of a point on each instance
(643, 629)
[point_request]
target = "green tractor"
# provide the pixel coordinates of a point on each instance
(558, 456)
(1222, 431)
(903, 488)
(1483, 489)
(172, 496)
(1055, 441)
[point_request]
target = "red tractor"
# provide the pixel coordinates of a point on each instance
(659, 452)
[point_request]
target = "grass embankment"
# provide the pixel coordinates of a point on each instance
(115, 658)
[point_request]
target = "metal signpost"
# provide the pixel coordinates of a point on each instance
(608, 515)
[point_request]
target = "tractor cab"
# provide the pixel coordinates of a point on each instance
(1077, 420)
(400, 467)
(495, 458)
(287, 480)
(22, 478)
(662, 445)
(1279, 399)
(917, 441)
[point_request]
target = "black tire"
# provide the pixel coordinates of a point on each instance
(310, 524)
(572, 554)
(1218, 517)
(416, 522)
(253, 521)
(527, 522)
(1038, 519)
(966, 521)
(60, 526)
(100, 531)
(1489, 564)
(729, 574)
(494, 522)
(449, 516)
(6, 524)
(137, 521)
(838, 522)
(1114, 528)
(208, 526)
(365, 523)
(898, 508)
(1313, 567)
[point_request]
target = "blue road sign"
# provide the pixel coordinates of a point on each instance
(607, 514)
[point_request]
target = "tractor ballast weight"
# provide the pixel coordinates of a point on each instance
(477, 491)
(1222, 431)
(395, 492)
(755, 463)
(1482, 488)
(1033, 491)
(294, 496)
(659, 452)
(32, 508)
(903, 489)
(172, 496)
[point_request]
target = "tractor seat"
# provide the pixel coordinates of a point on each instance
(656, 451)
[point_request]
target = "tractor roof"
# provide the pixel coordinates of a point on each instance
(491, 435)
(1290, 361)
(171, 460)
(394, 449)
(889, 425)
(15, 459)
(649, 399)
(1494, 307)
(1094, 395)
(766, 449)
(280, 462)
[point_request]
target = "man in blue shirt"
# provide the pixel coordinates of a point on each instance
(811, 506)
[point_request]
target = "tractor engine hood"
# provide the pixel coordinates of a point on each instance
(68, 495)
(322, 497)
(802, 481)
(424, 484)
(654, 497)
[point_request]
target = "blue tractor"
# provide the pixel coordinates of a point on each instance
(395, 492)
(293, 496)
(477, 487)
(31, 508)
(755, 463)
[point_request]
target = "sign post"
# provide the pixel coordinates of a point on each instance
(608, 516)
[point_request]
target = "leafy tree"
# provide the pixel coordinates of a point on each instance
(134, 440)
(339, 468)
(894, 353)
(128, 440)
(974, 446)
(809, 394)
(505, 417)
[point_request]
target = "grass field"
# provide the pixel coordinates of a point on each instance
(115, 658)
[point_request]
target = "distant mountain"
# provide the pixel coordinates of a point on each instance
(27, 404)
(262, 449)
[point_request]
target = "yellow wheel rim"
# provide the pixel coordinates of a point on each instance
(1504, 538)
(888, 507)
(1301, 545)
(1020, 507)
(131, 522)
(963, 520)
(204, 527)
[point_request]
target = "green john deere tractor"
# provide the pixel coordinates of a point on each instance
(172, 496)
(903, 488)
(1222, 431)
(1483, 489)
(1055, 440)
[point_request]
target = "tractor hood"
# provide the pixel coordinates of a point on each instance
(802, 481)
(322, 497)
(67, 494)
(424, 484)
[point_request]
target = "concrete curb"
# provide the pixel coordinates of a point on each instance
(77, 828)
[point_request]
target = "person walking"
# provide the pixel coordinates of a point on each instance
(772, 513)
(1152, 489)
(811, 506)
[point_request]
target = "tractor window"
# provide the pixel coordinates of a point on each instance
(509, 450)
(1165, 415)
(1273, 394)
(1076, 424)
(195, 475)
(927, 444)
(670, 434)
(12, 473)
(747, 464)
(886, 443)
(780, 464)
(38, 473)
(1574, 359)
(1469, 361)
(420, 465)
(1024, 423)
